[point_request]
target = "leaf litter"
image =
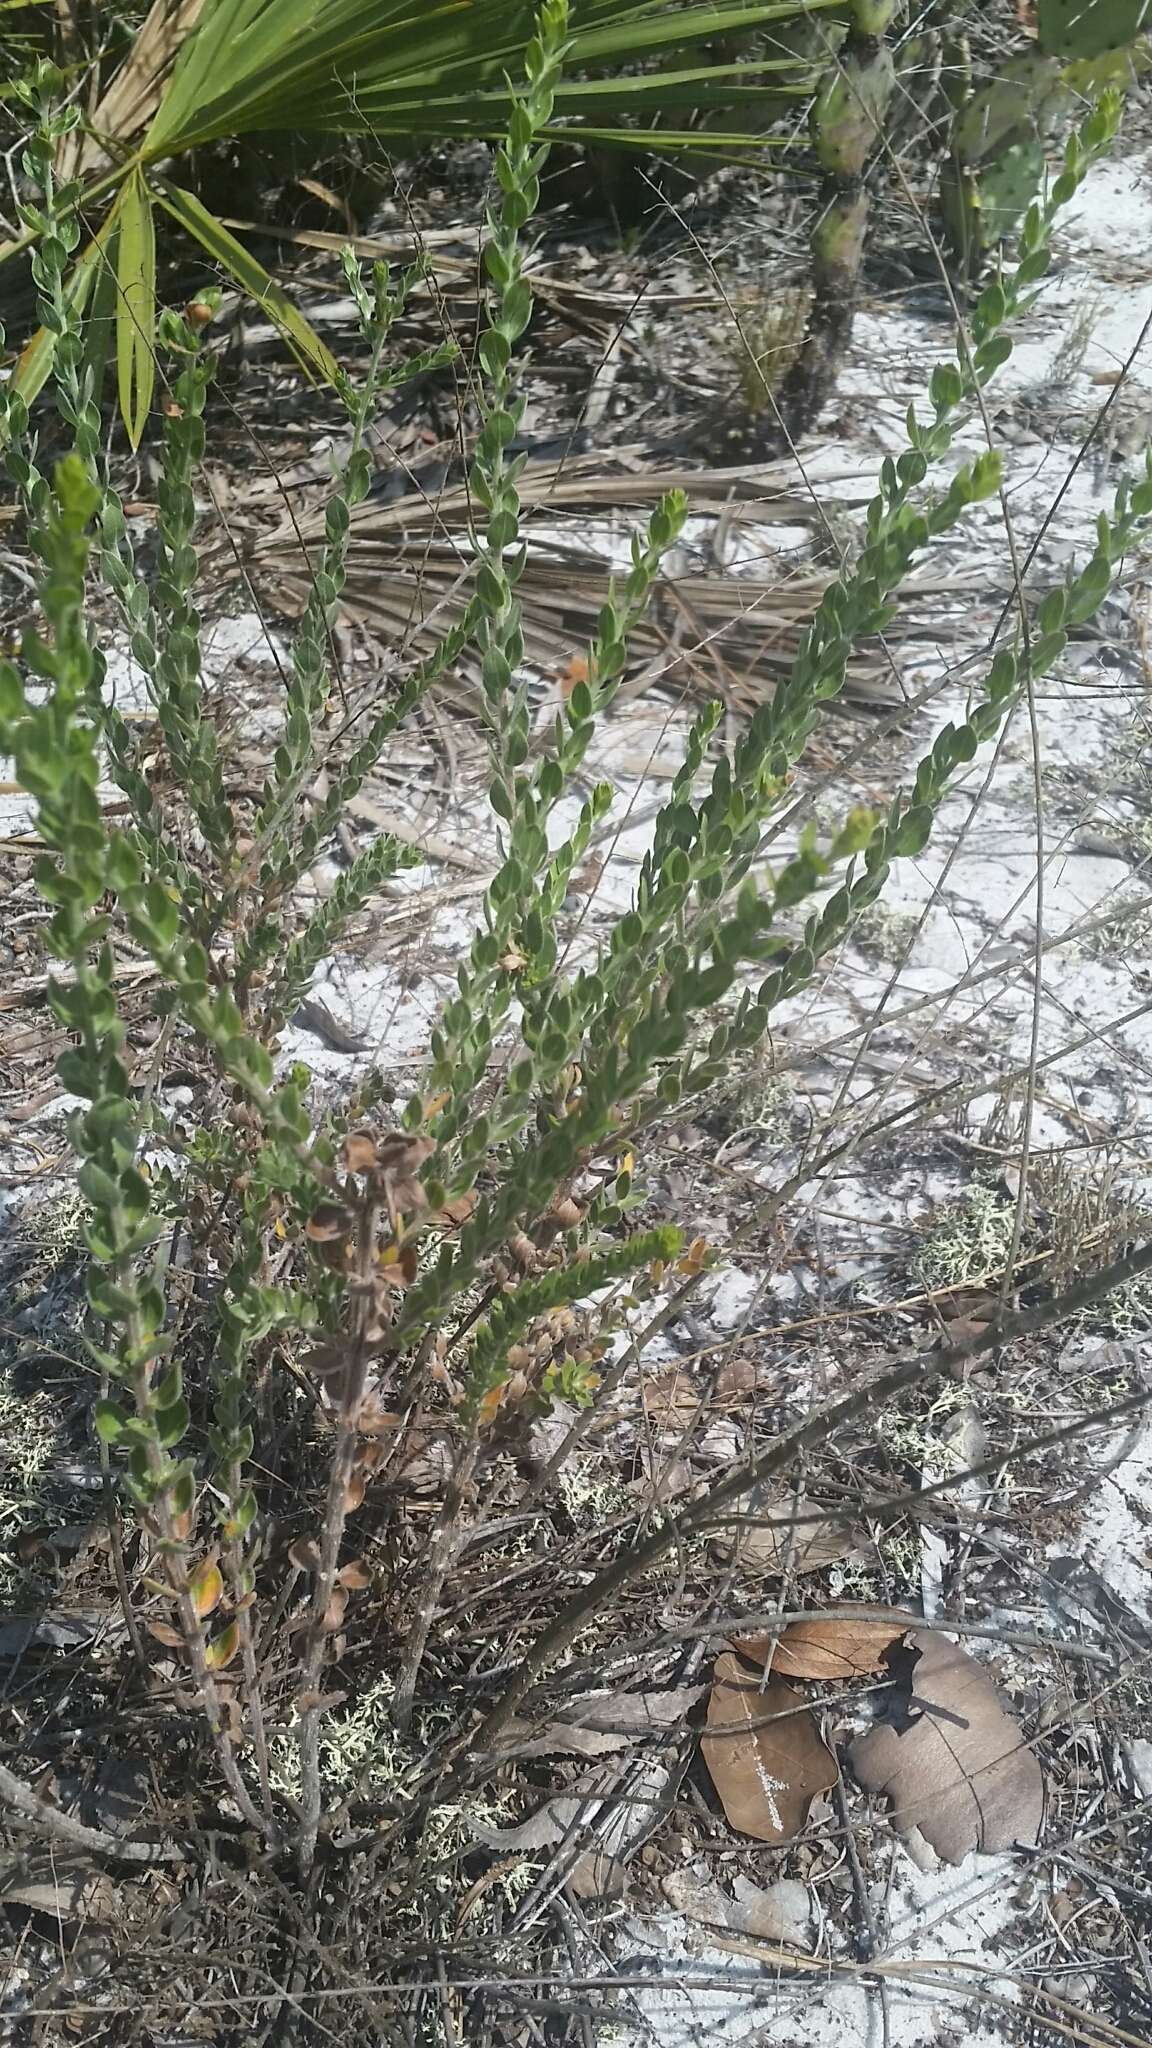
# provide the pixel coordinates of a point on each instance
(764, 1752)
(953, 1763)
(602, 1723)
(779, 1539)
(837, 1646)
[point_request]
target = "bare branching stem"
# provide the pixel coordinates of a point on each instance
(917, 1368)
(332, 1536)
(441, 1553)
(49, 1820)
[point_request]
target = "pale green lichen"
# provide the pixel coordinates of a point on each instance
(362, 1756)
(591, 1496)
(886, 935)
(358, 1748)
(29, 1442)
(752, 1095)
(969, 1239)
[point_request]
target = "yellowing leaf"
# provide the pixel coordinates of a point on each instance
(206, 1587)
(233, 257)
(490, 1405)
(222, 1650)
(136, 305)
(695, 1260)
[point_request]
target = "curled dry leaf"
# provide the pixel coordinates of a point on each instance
(603, 1722)
(837, 1646)
(954, 1763)
(400, 1153)
(319, 1702)
(373, 1419)
(596, 1876)
(329, 1362)
(305, 1554)
(206, 1588)
(617, 1806)
(359, 1152)
(782, 1913)
(670, 1400)
(66, 1888)
(329, 1223)
(764, 1753)
(775, 1539)
(355, 1575)
(163, 1632)
(335, 1611)
(527, 1738)
(736, 1379)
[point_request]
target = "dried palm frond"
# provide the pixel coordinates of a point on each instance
(131, 100)
(709, 630)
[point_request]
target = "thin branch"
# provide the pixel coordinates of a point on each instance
(920, 1367)
(28, 1806)
(332, 1536)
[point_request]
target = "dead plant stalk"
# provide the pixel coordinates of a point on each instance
(441, 1552)
(365, 1307)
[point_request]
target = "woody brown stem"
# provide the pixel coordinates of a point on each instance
(441, 1552)
(332, 1533)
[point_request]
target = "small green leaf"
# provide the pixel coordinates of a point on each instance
(108, 1421)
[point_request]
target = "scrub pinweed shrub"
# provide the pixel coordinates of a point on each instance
(468, 1247)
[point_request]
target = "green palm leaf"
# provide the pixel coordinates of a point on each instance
(369, 64)
(232, 256)
(393, 68)
(136, 305)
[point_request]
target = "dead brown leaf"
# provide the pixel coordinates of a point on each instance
(955, 1764)
(64, 1887)
(764, 1752)
(603, 1722)
(359, 1152)
(776, 1540)
(782, 1913)
(163, 1632)
(736, 1379)
(670, 1400)
(841, 1645)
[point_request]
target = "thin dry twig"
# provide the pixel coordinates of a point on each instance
(918, 1368)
